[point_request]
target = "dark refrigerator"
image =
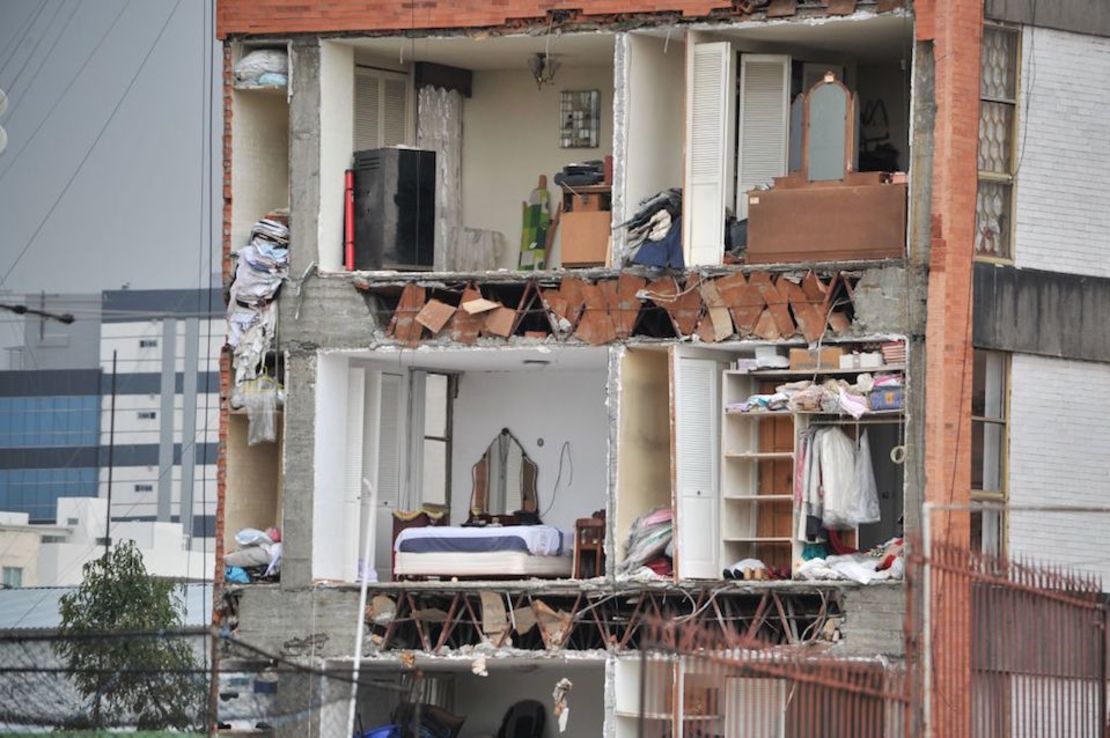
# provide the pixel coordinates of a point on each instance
(394, 209)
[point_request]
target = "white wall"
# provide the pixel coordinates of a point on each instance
(329, 548)
(20, 549)
(337, 136)
(1063, 183)
(259, 159)
(484, 700)
(554, 406)
(655, 96)
(1059, 455)
(511, 136)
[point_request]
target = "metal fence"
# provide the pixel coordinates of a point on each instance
(697, 681)
(1009, 648)
(994, 648)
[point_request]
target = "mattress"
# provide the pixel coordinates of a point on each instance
(537, 540)
(495, 563)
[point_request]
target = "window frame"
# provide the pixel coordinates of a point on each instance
(1001, 495)
(448, 428)
(1010, 179)
(17, 571)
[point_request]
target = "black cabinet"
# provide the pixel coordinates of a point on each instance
(394, 209)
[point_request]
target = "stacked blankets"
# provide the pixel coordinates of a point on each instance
(650, 537)
(251, 312)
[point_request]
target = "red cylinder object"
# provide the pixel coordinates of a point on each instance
(349, 220)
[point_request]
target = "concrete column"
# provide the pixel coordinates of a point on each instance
(298, 477)
(189, 441)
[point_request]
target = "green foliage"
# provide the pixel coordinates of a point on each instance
(147, 681)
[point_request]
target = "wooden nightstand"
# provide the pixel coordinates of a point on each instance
(589, 547)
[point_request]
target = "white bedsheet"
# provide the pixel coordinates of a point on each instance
(541, 540)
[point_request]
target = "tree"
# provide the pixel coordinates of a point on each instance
(148, 678)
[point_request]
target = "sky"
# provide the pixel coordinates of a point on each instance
(134, 212)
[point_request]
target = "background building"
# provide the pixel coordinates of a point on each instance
(108, 215)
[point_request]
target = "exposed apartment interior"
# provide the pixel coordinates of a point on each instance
(458, 444)
(474, 153)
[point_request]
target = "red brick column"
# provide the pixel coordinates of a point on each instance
(955, 29)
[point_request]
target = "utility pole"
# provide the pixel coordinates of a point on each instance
(111, 453)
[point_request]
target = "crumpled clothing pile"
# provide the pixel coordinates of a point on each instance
(881, 563)
(650, 536)
(830, 396)
(263, 264)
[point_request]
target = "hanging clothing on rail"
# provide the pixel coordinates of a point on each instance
(837, 482)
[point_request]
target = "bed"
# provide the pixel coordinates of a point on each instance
(489, 551)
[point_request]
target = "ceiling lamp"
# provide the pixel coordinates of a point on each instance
(543, 67)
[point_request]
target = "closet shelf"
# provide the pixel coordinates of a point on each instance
(817, 372)
(759, 455)
(732, 539)
(759, 498)
(759, 413)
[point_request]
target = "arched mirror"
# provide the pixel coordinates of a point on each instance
(829, 130)
(504, 479)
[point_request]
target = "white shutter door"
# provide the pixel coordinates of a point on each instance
(395, 111)
(368, 98)
(697, 534)
(710, 84)
(391, 429)
(352, 478)
(764, 123)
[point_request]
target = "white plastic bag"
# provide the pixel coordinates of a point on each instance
(260, 399)
(865, 503)
(259, 62)
(252, 537)
(838, 477)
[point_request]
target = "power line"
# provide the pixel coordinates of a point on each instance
(92, 148)
(22, 35)
(47, 56)
(35, 48)
(72, 81)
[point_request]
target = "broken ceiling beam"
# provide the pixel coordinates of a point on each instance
(404, 326)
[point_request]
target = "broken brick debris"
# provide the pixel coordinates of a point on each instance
(759, 304)
(404, 326)
(464, 326)
(434, 315)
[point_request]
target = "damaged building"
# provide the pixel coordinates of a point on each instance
(548, 321)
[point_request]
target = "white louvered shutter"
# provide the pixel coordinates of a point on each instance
(764, 123)
(367, 110)
(696, 448)
(381, 109)
(710, 85)
(394, 110)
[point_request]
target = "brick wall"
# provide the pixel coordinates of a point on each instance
(1063, 184)
(1059, 455)
(299, 16)
(954, 29)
